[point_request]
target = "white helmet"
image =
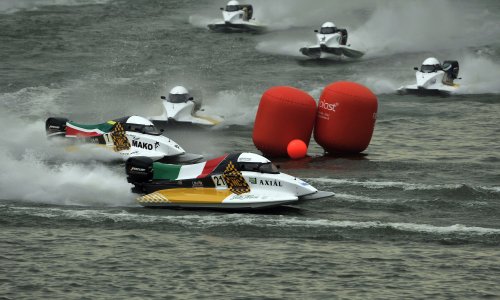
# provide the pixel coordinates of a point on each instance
(139, 121)
(328, 28)
(233, 2)
(431, 61)
(328, 24)
(430, 65)
(178, 94)
(179, 90)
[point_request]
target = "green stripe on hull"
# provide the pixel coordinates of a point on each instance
(165, 171)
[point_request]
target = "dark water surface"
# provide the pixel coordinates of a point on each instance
(417, 216)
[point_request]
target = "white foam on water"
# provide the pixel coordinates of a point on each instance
(26, 173)
(207, 221)
(236, 107)
(479, 75)
(284, 14)
(410, 227)
(316, 92)
(398, 27)
(385, 184)
(380, 85)
(491, 188)
(32, 101)
(359, 198)
(12, 6)
(30, 179)
(398, 184)
(202, 21)
(284, 46)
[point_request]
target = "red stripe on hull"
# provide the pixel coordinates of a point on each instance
(210, 166)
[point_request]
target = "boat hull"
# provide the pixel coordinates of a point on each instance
(323, 51)
(235, 27)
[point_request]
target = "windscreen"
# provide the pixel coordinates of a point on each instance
(232, 8)
(328, 30)
(428, 68)
(152, 130)
(268, 168)
(145, 129)
(178, 98)
(258, 167)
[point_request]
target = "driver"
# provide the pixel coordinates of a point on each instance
(430, 65)
(245, 13)
(330, 28)
(178, 94)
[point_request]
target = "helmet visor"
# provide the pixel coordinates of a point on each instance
(232, 8)
(428, 69)
(328, 30)
(178, 98)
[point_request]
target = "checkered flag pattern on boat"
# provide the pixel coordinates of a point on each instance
(234, 180)
(119, 137)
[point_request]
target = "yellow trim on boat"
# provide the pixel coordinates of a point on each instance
(212, 120)
(186, 195)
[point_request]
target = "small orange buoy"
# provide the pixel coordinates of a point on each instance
(285, 114)
(296, 149)
(346, 117)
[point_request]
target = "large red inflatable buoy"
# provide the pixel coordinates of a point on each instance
(284, 114)
(346, 117)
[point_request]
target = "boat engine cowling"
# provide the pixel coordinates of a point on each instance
(55, 126)
(452, 68)
(139, 169)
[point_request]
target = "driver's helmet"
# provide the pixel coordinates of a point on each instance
(140, 125)
(233, 5)
(430, 65)
(328, 28)
(178, 94)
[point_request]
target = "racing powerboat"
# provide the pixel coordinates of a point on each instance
(232, 181)
(237, 17)
(180, 107)
(332, 43)
(130, 136)
(434, 78)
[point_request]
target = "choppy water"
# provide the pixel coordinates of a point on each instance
(416, 217)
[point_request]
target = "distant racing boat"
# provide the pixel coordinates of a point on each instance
(237, 17)
(332, 42)
(434, 78)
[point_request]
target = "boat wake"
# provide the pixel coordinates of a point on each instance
(406, 186)
(219, 221)
(12, 6)
(34, 170)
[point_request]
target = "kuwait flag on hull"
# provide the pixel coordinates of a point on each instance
(180, 172)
